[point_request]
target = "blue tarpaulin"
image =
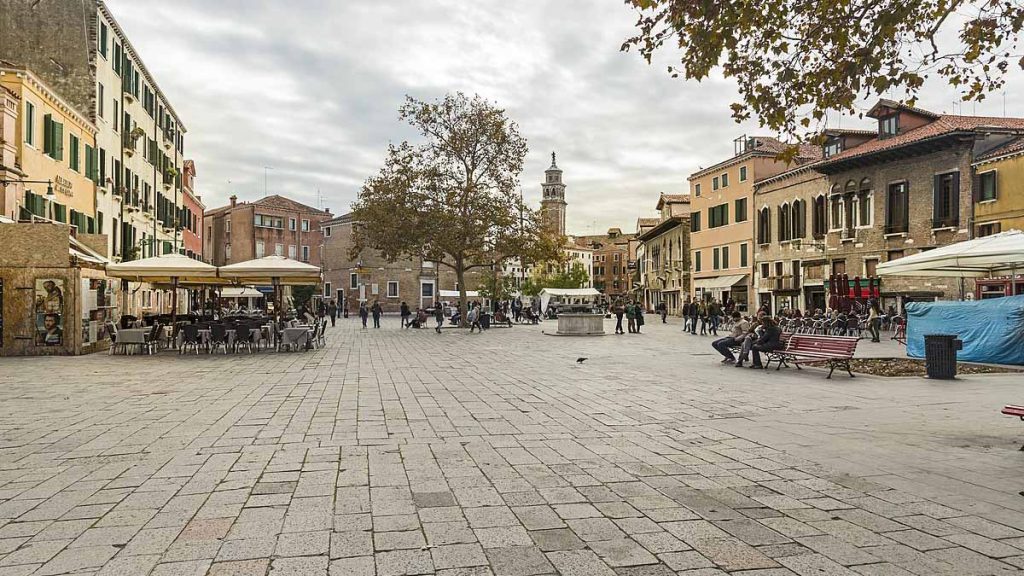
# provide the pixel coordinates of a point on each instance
(992, 330)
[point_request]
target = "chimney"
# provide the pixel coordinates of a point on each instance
(234, 200)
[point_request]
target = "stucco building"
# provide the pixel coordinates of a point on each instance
(277, 225)
(191, 217)
(999, 205)
(666, 255)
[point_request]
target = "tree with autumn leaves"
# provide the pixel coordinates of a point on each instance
(454, 197)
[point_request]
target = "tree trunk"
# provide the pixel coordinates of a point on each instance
(460, 276)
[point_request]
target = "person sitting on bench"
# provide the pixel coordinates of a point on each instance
(769, 341)
(740, 328)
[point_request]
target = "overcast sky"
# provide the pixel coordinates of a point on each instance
(311, 88)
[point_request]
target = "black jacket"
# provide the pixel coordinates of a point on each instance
(770, 339)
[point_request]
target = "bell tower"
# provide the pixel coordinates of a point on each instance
(552, 206)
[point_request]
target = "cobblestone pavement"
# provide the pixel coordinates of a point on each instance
(404, 452)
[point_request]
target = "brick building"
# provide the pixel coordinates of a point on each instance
(611, 273)
(368, 276)
(277, 225)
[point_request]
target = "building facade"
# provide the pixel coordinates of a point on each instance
(666, 255)
(273, 225)
(369, 277)
(999, 206)
(191, 217)
(53, 146)
(906, 190)
(611, 261)
(721, 220)
(139, 139)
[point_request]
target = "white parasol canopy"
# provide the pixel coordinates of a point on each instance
(272, 270)
(166, 269)
(998, 254)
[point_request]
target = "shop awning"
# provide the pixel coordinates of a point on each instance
(719, 282)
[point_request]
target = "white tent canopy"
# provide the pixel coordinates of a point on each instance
(240, 292)
(547, 293)
(999, 254)
(455, 293)
(166, 269)
(272, 270)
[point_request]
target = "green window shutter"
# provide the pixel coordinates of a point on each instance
(60, 213)
(58, 140)
(73, 157)
(90, 224)
(48, 135)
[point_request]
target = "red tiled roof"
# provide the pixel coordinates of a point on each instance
(676, 197)
(1011, 147)
(281, 203)
(648, 221)
(945, 124)
(886, 103)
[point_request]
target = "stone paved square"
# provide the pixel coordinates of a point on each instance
(394, 452)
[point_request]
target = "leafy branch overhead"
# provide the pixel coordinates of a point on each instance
(796, 60)
(453, 198)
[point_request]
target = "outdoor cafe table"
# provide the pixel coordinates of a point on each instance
(297, 336)
(132, 337)
(204, 336)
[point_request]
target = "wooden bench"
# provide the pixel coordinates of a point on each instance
(834, 351)
(1018, 411)
(773, 355)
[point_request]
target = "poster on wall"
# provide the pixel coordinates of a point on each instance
(49, 311)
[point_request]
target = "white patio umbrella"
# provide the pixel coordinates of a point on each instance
(273, 270)
(993, 255)
(173, 269)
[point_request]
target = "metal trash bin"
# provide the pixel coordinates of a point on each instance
(940, 355)
(485, 321)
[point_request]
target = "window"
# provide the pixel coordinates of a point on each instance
(227, 223)
(53, 138)
(227, 251)
(894, 255)
(832, 147)
(101, 100)
(837, 212)
(30, 123)
(696, 261)
(897, 208)
(305, 225)
(743, 173)
(118, 56)
(871, 267)
(714, 183)
(696, 189)
(103, 40)
(291, 223)
(740, 210)
(305, 253)
(392, 289)
(798, 220)
(889, 126)
(743, 255)
(946, 204)
(865, 204)
(279, 249)
(764, 232)
(718, 216)
(987, 186)
(839, 266)
(819, 223)
(73, 155)
(989, 229)
(766, 270)
(725, 257)
(725, 180)
(327, 289)
(695, 222)
(715, 261)
(353, 280)
(117, 116)
(327, 231)
(785, 229)
(292, 251)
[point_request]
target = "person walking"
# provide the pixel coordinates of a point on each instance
(714, 312)
(874, 321)
(332, 311)
(363, 312)
(438, 316)
(740, 328)
(619, 310)
(694, 314)
(686, 315)
(639, 313)
(376, 311)
(663, 310)
(405, 313)
(702, 313)
(474, 319)
(631, 316)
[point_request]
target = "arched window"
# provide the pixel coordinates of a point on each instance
(836, 209)
(785, 231)
(820, 223)
(764, 231)
(865, 203)
(851, 187)
(799, 219)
